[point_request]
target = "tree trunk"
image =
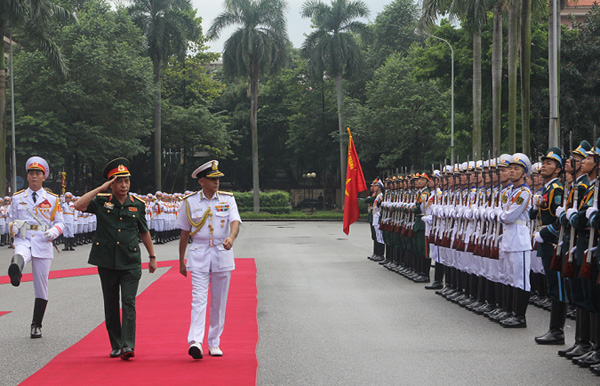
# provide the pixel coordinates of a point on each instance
(513, 21)
(338, 86)
(554, 83)
(157, 126)
(526, 77)
(477, 94)
(497, 80)
(2, 116)
(254, 132)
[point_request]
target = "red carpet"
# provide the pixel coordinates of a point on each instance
(75, 272)
(163, 312)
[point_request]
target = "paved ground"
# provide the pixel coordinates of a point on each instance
(326, 314)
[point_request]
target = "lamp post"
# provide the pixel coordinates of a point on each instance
(421, 32)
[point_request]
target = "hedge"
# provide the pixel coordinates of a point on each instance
(276, 202)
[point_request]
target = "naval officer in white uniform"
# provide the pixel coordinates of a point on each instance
(211, 218)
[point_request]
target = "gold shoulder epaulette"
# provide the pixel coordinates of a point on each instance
(20, 191)
(225, 193)
(139, 199)
(188, 195)
(556, 186)
(49, 190)
(103, 194)
(584, 185)
(53, 194)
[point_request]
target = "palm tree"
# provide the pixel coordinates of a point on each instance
(258, 47)
(332, 49)
(32, 19)
(497, 77)
(168, 25)
(514, 8)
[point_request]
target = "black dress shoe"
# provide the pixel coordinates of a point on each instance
(500, 316)
(591, 359)
(595, 369)
(575, 360)
(553, 336)
(436, 285)
(579, 350)
(514, 322)
(15, 274)
(564, 351)
(115, 353)
(421, 279)
(36, 332)
(126, 353)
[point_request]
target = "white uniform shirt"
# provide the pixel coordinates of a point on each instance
(206, 253)
(46, 209)
(515, 217)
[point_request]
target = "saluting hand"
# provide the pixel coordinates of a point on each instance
(107, 184)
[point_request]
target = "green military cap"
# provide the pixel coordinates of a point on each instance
(118, 167)
(555, 154)
(583, 149)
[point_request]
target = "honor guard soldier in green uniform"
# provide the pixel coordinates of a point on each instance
(116, 252)
(546, 238)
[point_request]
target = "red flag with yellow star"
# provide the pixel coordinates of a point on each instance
(355, 183)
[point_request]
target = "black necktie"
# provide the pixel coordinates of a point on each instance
(34, 196)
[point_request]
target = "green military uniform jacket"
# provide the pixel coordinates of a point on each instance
(115, 244)
(551, 198)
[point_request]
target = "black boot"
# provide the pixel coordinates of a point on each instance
(558, 316)
(38, 315)
(584, 346)
(521, 301)
(15, 268)
(593, 358)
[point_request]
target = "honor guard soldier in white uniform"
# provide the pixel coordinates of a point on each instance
(516, 240)
(36, 220)
(211, 218)
(68, 208)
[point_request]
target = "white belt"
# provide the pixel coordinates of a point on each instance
(209, 242)
(34, 227)
(521, 222)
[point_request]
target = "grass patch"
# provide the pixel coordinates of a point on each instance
(296, 215)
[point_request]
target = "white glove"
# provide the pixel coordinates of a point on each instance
(468, 214)
(489, 213)
(537, 200)
(14, 229)
(51, 234)
(590, 212)
(538, 238)
(481, 213)
(559, 211)
(497, 212)
(427, 219)
(570, 212)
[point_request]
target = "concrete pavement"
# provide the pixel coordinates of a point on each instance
(326, 314)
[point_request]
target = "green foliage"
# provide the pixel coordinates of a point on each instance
(274, 202)
(580, 79)
(305, 215)
(101, 110)
(402, 120)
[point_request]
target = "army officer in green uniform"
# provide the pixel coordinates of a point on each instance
(116, 251)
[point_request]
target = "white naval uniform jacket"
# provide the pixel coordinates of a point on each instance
(48, 210)
(515, 217)
(206, 253)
